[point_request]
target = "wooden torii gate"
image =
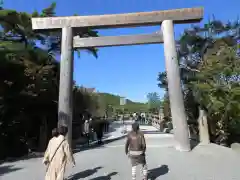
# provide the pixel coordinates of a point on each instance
(166, 19)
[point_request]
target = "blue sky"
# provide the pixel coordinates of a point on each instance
(129, 71)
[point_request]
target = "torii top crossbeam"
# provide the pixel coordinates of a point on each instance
(179, 16)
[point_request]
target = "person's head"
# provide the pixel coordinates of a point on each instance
(63, 130)
(135, 127)
(55, 132)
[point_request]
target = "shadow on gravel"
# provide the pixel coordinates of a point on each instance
(7, 169)
(84, 174)
(157, 172)
(107, 177)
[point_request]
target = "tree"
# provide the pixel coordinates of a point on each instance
(29, 82)
(163, 84)
(154, 102)
(217, 87)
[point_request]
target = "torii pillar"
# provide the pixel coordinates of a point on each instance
(174, 88)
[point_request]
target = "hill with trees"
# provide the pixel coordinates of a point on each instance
(113, 101)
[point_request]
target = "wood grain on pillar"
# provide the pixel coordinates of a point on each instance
(174, 88)
(65, 106)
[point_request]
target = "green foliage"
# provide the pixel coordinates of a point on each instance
(166, 107)
(29, 82)
(154, 102)
(219, 92)
(114, 102)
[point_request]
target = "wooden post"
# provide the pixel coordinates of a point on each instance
(203, 127)
(66, 82)
(161, 119)
(174, 86)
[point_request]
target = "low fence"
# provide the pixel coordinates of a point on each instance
(96, 125)
(78, 128)
(151, 119)
(160, 124)
(198, 133)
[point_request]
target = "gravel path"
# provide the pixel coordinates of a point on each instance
(107, 162)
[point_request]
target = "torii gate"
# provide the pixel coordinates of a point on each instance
(166, 19)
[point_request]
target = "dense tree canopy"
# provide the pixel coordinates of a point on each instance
(154, 102)
(29, 82)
